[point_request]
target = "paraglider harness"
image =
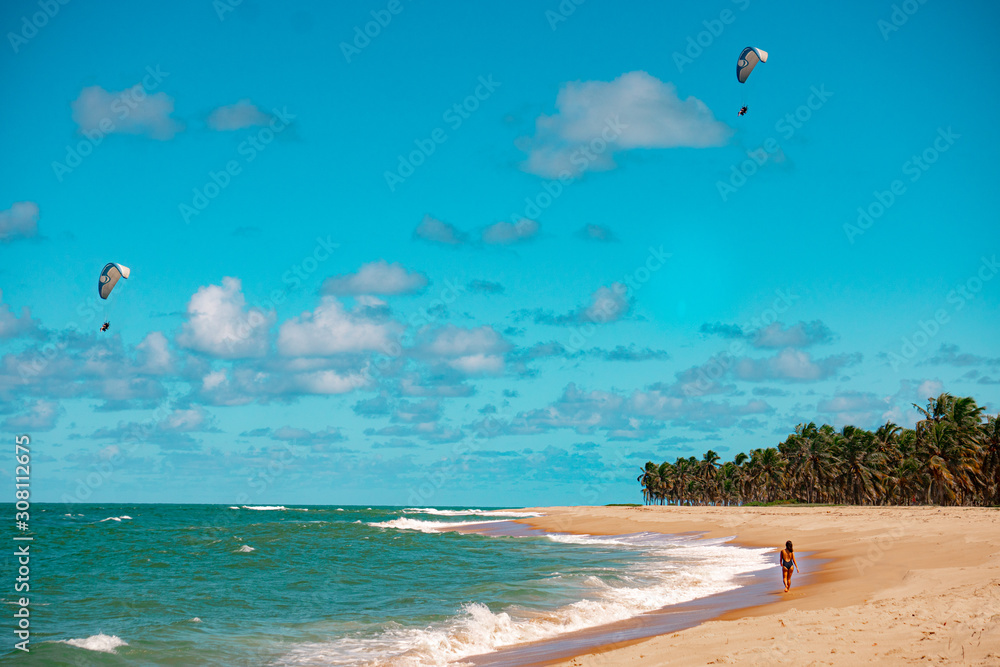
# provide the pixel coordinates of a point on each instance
(104, 327)
(742, 111)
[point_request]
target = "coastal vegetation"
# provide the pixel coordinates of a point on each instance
(952, 457)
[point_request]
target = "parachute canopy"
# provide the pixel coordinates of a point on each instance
(748, 60)
(110, 276)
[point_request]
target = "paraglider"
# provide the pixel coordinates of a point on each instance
(748, 59)
(110, 276)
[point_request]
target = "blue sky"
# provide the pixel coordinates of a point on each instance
(482, 258)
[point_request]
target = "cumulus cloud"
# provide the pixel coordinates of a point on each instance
(607, 304)
(241, 385)
(220, 324)
(39, 416)
(20, 221)
(856, 408)
(803, 334)
(171, 432)
(506, 233)
(129, 111)
(154, 355)
(639, 415)
(949, 355)
(470, 351)
(596, 119)
(186, 420)
(596, 233)
(237, 116)
(792, 365)
(71, 364)
(317, 441)
(12, 326)
(438, 231)
(330, 329)
(378, 277)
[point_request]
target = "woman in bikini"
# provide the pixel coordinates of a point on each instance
(787, 557)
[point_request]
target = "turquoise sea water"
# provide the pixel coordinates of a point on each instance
(218, 585)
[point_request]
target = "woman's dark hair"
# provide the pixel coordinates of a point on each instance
(788, 545)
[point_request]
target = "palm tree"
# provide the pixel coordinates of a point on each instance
(990, 439)
(952, 456)
(706, 471)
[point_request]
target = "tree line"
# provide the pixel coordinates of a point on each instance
(952, 457)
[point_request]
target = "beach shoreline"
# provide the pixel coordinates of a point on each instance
(900, 585)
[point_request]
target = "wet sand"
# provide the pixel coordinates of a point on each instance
(887, 585)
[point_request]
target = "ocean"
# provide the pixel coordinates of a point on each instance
(335, 585)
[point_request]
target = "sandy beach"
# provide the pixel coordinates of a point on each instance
(900, 585)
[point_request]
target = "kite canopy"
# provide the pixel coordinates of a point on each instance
(748, 60)
(110, 276)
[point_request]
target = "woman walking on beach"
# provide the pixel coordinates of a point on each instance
(787, 557)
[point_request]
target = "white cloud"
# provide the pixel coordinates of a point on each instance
(330, 329)
(802, 334)
(856, 408)
(154, 354)
(12, 326)
(41, 416)
(596, 119)
(792, 365)
(129, 111)
(20, 221)
(505, 233)
(240, 386)
(930, 389)
(237, 116)
(220, 324)
(608, 304)
(472, 351)
(376, 278)
(186, 420)
(438, 231)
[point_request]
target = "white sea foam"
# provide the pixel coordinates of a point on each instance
(676, 569)
(123, 517)
(265, 508)
(468, 512)
(245, 549)
(405, 523)
(103, 643)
